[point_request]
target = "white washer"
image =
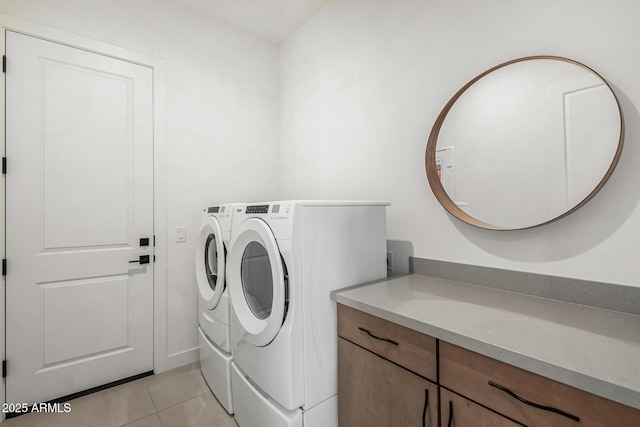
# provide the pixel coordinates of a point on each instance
(284, 260)
(213, 301)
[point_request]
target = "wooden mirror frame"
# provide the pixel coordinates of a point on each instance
(430, 156)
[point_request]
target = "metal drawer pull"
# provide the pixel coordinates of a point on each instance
(426, 407)
(377, 337)
(535, 405)
(450, 414)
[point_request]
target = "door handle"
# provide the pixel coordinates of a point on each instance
(535, 405)
(143, 259)
(425, 408)
(372, 335)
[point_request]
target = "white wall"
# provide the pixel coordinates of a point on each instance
(221, 90)
(356, 90)
(363, 81)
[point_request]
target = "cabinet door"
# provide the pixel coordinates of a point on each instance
(375, 392)
(492, 383)
(460, 412)
(406, 347)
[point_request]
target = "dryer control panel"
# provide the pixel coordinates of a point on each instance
(279, 216)
(275, 211)
(257, 209)
(281, 210)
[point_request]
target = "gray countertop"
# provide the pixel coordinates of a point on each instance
(591, 349)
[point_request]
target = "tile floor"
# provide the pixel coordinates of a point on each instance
(177, 398)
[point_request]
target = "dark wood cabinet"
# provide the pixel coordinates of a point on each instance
(526, 397)
(456, 411)
(389, 375)
(386, 373)
(376, 392)
(406, 347)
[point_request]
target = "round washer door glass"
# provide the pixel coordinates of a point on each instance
(211, 261)
(257, 282)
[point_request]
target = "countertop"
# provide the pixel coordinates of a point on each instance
(592, 349)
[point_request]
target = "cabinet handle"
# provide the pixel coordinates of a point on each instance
(450, 414)
(426, 407)
(377, 337)
(535, 405)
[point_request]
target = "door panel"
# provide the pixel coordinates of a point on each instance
(587, 162)
(79, 197)
(73, 310)
(84, 105)
(456, 411)
(374, 392)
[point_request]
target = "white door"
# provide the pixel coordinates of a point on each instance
(79, 198)
(258, 282)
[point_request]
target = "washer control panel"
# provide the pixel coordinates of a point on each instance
(222, 212)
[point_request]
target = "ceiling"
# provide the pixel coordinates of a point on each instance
(272, 20)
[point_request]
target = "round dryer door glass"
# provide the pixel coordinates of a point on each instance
(211, 260)
(257, 280)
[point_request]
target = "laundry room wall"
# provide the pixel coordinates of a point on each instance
(221, 120)
(363, 81)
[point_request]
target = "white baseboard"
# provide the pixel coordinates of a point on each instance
(182, 358)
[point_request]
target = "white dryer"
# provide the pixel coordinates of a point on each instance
(284, 260)
(213, 301)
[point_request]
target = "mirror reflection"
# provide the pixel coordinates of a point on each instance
(525, 143)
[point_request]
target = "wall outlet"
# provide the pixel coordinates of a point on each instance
(389, 261)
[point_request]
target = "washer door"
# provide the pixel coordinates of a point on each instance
(210, 262)
(257, 281)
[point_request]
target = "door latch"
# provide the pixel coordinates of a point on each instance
(143, 259)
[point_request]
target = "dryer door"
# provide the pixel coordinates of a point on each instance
(210, 262)
(257, 281)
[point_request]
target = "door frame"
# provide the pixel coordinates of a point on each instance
(159, 171)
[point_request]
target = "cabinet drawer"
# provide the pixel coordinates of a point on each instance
(488, 382)
(373, 392)
(406, 347)
(459, 412)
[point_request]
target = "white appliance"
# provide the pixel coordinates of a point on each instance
(285, 259)
(213, 301)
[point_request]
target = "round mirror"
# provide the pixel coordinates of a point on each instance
(525, 143)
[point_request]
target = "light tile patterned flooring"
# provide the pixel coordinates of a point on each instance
(177, 398)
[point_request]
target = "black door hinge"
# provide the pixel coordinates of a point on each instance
(4, 63)
(4, 165)
(4, 267)
(154, 240)
(4, 369)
